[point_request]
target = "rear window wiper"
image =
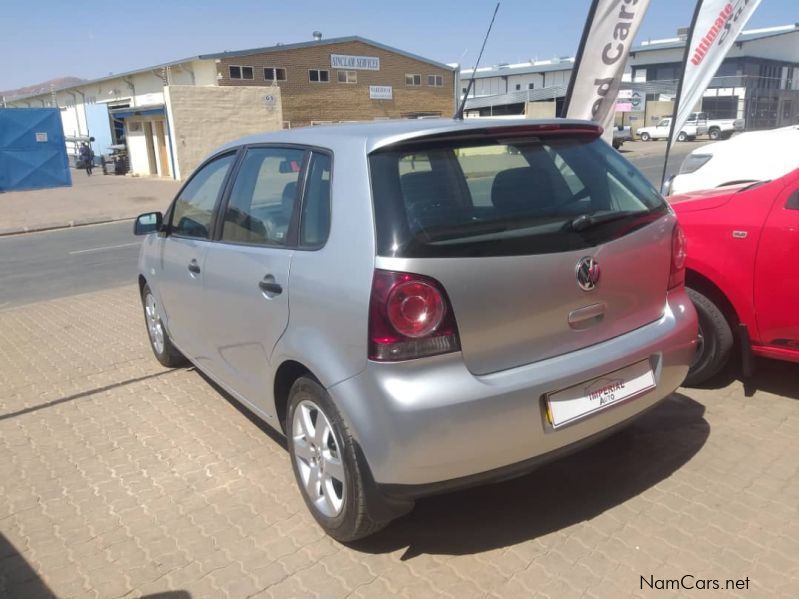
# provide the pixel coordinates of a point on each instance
(589, 221)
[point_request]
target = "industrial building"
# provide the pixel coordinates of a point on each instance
(758, 82)
(169, 116)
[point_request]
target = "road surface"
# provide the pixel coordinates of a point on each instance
(41, 266)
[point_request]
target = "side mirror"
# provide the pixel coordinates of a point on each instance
(147, 223)
(666, 189)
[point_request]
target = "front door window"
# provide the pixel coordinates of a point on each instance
(194, 208)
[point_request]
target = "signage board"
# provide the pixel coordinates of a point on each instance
(362, 63)
(381, 92)
(624, 107)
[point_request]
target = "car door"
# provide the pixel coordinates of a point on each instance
(776, 290)
(247, 270)
(182, 256)
(662, 129)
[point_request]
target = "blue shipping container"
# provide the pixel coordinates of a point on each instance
(33, 153)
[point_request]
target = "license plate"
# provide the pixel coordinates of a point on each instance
(597, 394)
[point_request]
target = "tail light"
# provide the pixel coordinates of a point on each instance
(409, 317)
(678, 255)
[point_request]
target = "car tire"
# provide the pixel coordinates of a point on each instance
(345, 509)
(714, 133)
(165, 352)
(645, 137)
(682, 136)
(715, 340)
(616, 145)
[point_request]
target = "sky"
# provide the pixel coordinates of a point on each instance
(45, 39)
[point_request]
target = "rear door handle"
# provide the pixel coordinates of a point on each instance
(194, 267)
(270, 287)
(588, 316)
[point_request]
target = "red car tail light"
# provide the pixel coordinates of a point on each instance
(410, 317)
(678, 255)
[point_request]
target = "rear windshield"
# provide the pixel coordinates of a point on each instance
(494, 197)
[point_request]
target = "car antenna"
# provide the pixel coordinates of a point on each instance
(459, 113)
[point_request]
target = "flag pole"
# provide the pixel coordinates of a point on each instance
(679, 89)
(578, 58)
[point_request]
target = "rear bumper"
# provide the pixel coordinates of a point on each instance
(433, 425)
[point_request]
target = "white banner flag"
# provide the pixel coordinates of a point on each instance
(715, 28)
(607, 38)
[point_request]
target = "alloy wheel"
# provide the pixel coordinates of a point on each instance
(317, 457)
(700, 348)
(155, 327)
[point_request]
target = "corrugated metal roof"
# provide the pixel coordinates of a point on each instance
(247, 52)
(324, 42)
(559, 91)
(564, 65)
(745, 36)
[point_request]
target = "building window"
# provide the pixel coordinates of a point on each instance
(274, 74)
(531, 86)
(518, 86)
(318, 75)
(463, 90)
(348, 76)
(240, 72)
(434, 80)
(411, 79)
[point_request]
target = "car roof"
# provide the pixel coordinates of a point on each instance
(377, 134)
(769, 140)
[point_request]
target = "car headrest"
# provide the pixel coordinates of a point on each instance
(524, 189)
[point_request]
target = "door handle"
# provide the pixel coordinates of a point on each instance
(270, 287)
(585, 317)
(194, 267)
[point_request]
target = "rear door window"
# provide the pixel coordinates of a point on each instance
(497, 197)
(261, 204)
(315, 217)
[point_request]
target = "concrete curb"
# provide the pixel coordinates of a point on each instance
(57, 227)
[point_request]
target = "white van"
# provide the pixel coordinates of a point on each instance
(747, 157)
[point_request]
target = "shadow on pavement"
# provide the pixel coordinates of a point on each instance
(244, 410)
(770, 376)
(557, 495)
(19, 579)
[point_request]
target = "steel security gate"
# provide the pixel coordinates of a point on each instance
(33, 153)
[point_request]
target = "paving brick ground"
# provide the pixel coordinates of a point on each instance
(120, 478)
(92, 199)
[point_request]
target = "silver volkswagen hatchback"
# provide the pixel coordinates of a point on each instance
(421, 306)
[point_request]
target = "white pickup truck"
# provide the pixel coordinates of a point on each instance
(690, 130)
(718, 128)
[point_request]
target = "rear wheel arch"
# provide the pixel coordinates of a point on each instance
(710, 290)
(287, 374)
(142, 283)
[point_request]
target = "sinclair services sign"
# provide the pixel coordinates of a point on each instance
(362, 63)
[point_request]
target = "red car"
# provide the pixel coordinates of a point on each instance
(743, 271)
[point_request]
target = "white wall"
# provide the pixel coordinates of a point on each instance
(204, 72)
(782, 47)
(137, 148)
(203, 118)
(490, 86)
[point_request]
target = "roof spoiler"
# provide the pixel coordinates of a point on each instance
(576, 128)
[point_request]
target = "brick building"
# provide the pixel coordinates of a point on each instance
(169, 116)
(343, 79)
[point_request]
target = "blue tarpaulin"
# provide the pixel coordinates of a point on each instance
(33, 153)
